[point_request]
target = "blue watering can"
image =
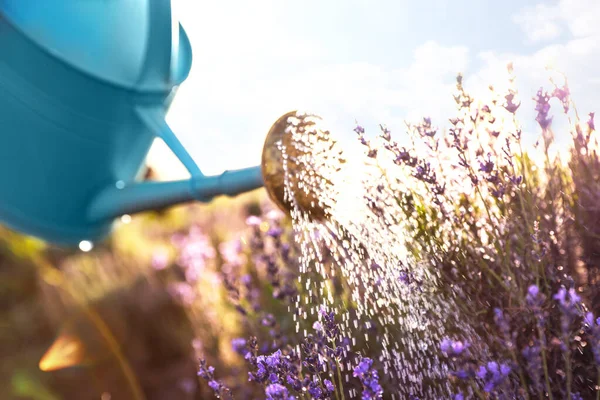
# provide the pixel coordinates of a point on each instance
(84, 89)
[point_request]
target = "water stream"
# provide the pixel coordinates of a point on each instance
(394, 305)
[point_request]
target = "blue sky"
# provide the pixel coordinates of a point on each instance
(375, 61)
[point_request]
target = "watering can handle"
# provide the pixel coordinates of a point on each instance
(157, 63)
(154, 119)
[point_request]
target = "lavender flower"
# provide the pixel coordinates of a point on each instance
(385, 133)
(493, 374)
(542, 106)
(510, 105)
(314, 389)
(239, 345)
(359, 130)
(207, 373)
(533, 359)
(568, 300)
(453, 348)
(329, 386)
(276, 391)
(231, 252)
(593, 327)
(195, 250)
(369, 379)
(329, 325)
(182, 292)
(279, 367)
(486, 166)
(562, 94)
(534, 298)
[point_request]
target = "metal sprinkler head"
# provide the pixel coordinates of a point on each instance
(298, 160)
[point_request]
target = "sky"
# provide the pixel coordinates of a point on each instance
(367, 61)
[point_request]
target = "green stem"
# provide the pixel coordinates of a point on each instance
(569, 373)
(598, 386)
(568, 365)
(477, 391)
(521, 376)
(339, 375)
(545, 363)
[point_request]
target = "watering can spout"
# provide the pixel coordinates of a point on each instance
(279, 146)
(129, 198)
(121, 199)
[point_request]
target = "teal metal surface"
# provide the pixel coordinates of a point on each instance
(84, 89)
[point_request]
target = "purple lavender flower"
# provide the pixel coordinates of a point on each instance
(562, 94)
(268, 320)
(313, 353)
(453, 348)
(385, 133)
(207, 373)
(503, 325)
(510, 105)
(214, 385)
(182, 292)
(274, 232)
(231, 252)
(593, 327)
(279, 367)
(294, 382)
(568, 301)
(493, 374)
(533, 359)
(369, 379)
(534, 298)
(273, 360)
(542, 106)
(363, 367)
(314, 389)
(239, 346)
(329, 386)
(276, 391)
(195, 249)
(330, 326)
(486, 166)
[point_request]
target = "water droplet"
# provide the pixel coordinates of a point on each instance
(126, 218)
(120, 184)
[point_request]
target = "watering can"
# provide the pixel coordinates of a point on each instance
(84, 89)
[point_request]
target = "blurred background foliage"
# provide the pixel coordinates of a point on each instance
(141, 339)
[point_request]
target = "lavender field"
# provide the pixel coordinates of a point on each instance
(463, 264)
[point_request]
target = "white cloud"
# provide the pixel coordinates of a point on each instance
(544, 22)
(581, 16)
(539, 23)
(340, 92)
